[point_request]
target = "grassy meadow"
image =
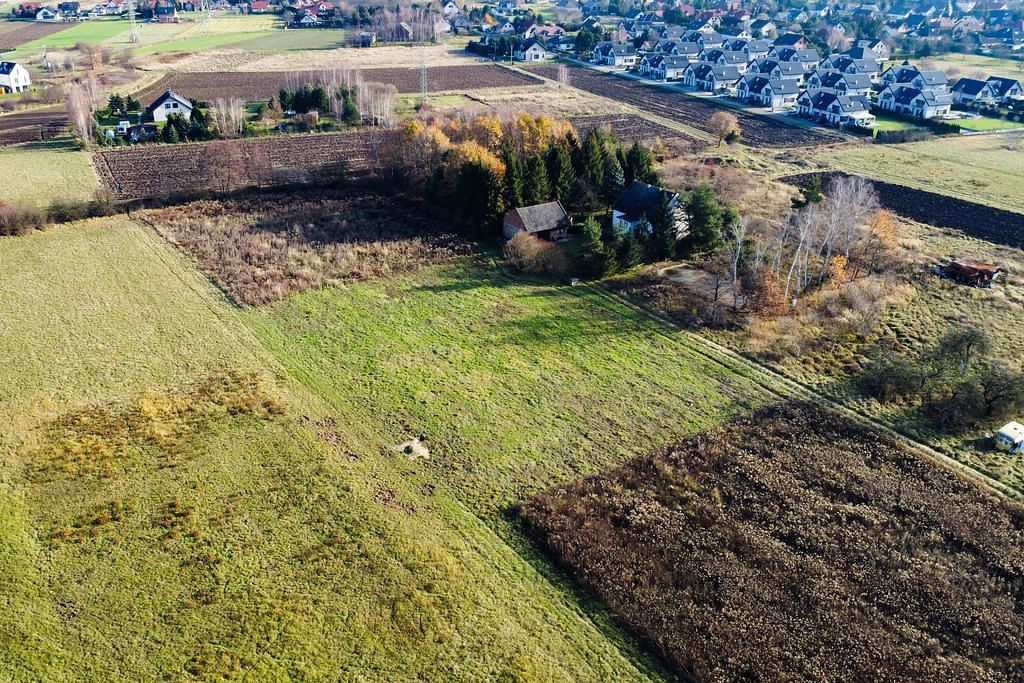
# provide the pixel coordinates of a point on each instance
(515, 385)
(973, 66)
(981, 168)
(173, 504)
(40, 172)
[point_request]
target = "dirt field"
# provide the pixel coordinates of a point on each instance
(758, 131)
(629, 128)
(280, 160)
(27, 32)
(260, 86)
(36, 124)
(795, 545)
(977, 220)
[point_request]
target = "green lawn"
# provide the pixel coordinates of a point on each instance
(883, 122)
(516, 384)
(989, 123)
(155, 537)
(980, 168)
(37, 173)
(964, 65)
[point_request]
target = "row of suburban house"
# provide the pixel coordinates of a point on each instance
(985, 23)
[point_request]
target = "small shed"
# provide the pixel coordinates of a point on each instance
(547, 221)
(1010, 437)
(971, 272)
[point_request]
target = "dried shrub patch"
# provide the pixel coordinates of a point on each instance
(97, 439)
(261, 249)
(796, 545)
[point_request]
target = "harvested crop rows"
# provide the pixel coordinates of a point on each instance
(27, 126)
(28, 32)
(977, 220)
(628, 128)
(758, 131)
(794, 544)
(253, 87)
(279, 160)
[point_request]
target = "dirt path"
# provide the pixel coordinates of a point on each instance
(785, 387)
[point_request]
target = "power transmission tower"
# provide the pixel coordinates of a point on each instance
(207, 10)
(133, 37)
(423, 76)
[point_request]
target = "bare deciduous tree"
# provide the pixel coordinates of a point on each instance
(80, 110)
(722, 123)
(229, 116)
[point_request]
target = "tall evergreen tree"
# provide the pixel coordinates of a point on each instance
(514, 176)
(706, 221)
(629, 252)
(537, 187)
(572, 147)
(662, 243)
(614, 180)
(640, 165)
(560, 172)
(594, 159)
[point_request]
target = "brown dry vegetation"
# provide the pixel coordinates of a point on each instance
(796, 545)
(261, 249)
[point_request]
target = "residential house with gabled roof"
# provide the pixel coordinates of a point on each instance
(777, 95)
(639, 205)
(846, 65)
(615, 54)
(753, 49)
(840, 83)
(1006, 90)
(774, 70)
(763, 28)
(661, 67)
(14, 78)
(911, 101)
(48, 14)
(169, 103)
(794, 40)
(808, 58)
(726, 58)
(532, 50)
(711, 77)
(836, 110)
(972, 91)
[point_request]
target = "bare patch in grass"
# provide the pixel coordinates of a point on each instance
(97, 440)
(262, 249)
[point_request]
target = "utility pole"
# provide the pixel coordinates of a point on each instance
(423, 76)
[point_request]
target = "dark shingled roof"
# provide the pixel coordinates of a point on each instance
(640, 199)
(539, 217)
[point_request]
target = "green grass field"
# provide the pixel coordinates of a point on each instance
(148, 529)
(983, 168)
(40, 172)
(517, 385)
(989, 123)
(965, 65)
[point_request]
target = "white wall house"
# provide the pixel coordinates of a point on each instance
(170, 103)
(14, 78)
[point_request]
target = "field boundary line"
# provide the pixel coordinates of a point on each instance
(774, 381)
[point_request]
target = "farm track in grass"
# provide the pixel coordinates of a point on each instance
(978, 220)
(125, 171)
(758, 131)
(257, 86)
